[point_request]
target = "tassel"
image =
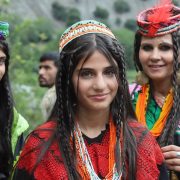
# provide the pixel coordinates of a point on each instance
(178, 77)
(159, 15)
(141, 78)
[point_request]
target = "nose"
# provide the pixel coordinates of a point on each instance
(155, 55)
(99, 83)
(41, 71)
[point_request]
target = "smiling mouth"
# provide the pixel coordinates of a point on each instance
(99, 96)
(156, 66)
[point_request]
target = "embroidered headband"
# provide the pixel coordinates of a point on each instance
(159, 20)
(81, 28)
(4, 30)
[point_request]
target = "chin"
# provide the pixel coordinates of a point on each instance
(43, 85)
(99, 108)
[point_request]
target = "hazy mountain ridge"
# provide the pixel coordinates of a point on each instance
(33, 9)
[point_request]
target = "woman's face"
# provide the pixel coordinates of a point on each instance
(2, 64)
(156, 57)
(95, 83)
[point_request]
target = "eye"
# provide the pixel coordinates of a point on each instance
(146, 47)
(165, 47)
(2, 60)
(86, 74)
(110, 72)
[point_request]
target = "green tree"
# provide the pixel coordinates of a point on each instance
(118, 21)
(131, 24)
(101, 13)
(59, 12)
(121, 6)
(176, 2)
(126, 37)
(73, 16)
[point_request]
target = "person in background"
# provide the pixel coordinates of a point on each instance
(47, 74)
(95, 134)
(156, 96)
(12, 124)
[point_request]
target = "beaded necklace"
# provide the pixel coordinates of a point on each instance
(85, 166)
(141, 107)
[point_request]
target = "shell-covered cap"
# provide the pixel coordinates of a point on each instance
(81, 28)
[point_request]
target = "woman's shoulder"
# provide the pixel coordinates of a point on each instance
(41, 150)
(149, 155)
(36, 139)
(145, 140)
(43, 131)
(141, 132)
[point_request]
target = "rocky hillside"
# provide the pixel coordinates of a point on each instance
(33, 9)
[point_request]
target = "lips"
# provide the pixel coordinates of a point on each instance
(99, 97)
(156, 67)
(41, 79)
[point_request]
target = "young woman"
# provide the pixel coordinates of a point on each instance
(95, 135)
(156, 96)
(12, 124)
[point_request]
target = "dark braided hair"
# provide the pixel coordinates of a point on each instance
(6, 116)
(82, 48)
(167, 136)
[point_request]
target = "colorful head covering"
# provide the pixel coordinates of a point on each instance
(4, 30)
(81, 28)
(159, 20)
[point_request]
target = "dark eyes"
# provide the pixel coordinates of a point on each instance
(110, 72)
(86, 73)
(165, 47)
(90, 73)
(2, 60)
(162, 47)
(146, 47)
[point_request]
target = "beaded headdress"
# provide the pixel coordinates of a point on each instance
(162, 19)
(4, 30)
(81, 28)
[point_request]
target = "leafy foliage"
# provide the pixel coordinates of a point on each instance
(121, 6)
(101, 13)
(59, 12)
(73, 16)
(131, 24)
(118, 21)
(67, 15)
(126, 38)
(176, 2)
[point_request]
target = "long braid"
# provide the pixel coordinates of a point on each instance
(6, 117)
(127, 131)
(63, 122)
(128, 146)
(173, 118)
(122, 116)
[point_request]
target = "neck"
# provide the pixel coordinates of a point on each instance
(92, 123)
(161, 88)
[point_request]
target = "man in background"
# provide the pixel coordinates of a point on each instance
(48, 68)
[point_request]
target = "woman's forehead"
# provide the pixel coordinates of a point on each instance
(96, 60)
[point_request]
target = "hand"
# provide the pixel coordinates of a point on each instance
(172, 157)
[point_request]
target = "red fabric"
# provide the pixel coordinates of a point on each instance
(149, 154)
(51, 167)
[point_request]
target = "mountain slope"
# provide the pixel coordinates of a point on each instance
(33, 9)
